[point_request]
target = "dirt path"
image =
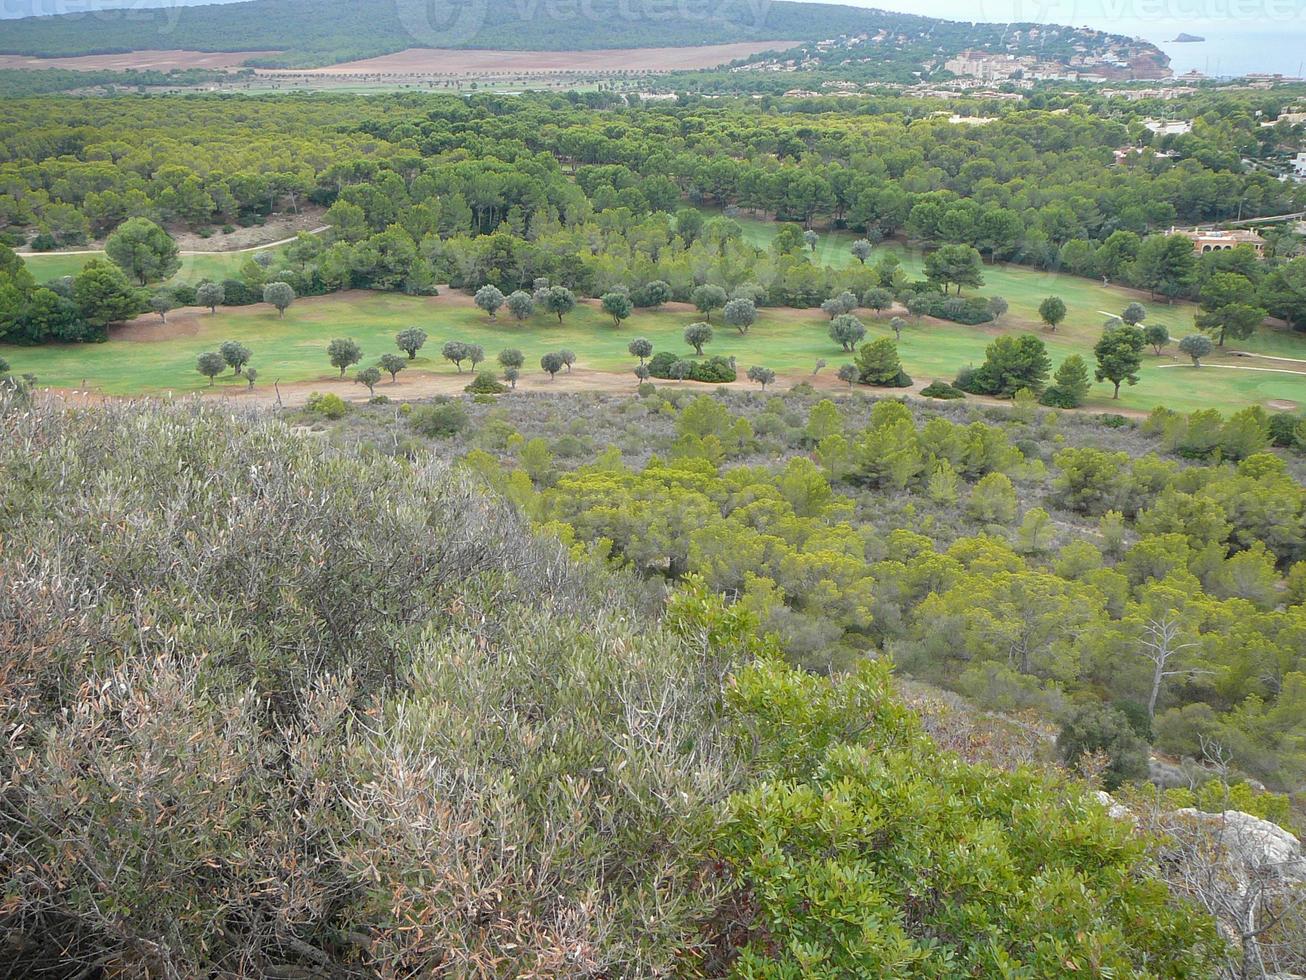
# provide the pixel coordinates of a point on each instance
(1267, 357)
(1242, 367)
(418, 385)
(185, 251)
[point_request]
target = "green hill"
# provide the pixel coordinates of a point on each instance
(310, 32)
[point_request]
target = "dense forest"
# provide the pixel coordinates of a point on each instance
(506, 190)
(16, 82)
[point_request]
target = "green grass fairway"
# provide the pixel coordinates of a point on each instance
(1024, 288)
(788, 341)
(207, 265)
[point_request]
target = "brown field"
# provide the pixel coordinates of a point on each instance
(444, 61)
(158, 60)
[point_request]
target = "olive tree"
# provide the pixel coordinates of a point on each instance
(617, 306)
(640, 347)
(1134, 314)
(393, 364)
(877, 299)
(344, 353)
(1196, 346)
(697, 335)
(235, 354)
(861, 250)
(210, 294)
(489, 298)
(1157, 335)
(280, 295)
(210, 364)
(740, 314)
(707, 298)
(559, 300)
(844, 302)
(410, 341)
(919, 304)
(457, 352)
(763, 376)
(552, 363)
(369, 377)
(511, 357)
(1052, 311)
(520, 304)
(162, 302)
(847, 331)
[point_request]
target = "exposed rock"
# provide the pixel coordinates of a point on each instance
(1261, 847)
(1117, 811)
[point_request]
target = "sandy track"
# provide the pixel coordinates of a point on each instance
(1234, 367)
(417, 385)
(187, 251)
(445, 61)
(155, 59)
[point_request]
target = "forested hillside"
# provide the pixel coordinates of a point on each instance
(310, 32)
(276, 709)
(508, 190)
(1022, 558)
(315, 32)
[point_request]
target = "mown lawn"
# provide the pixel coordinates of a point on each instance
(788, 341)
(1087, 300)
(208, 265)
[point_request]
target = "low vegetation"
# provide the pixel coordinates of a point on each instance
(456, 749)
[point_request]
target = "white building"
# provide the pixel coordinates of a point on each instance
(1168, 127)
(1299, 165)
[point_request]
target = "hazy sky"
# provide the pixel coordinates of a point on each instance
(1148, 18)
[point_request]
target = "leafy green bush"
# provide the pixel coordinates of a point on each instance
(1286, 430)
(1096, 727)
(969, 310)
(439, 420)
(236, 293)
(486, 384)
(943, 390)
(329, 405)
(711, 370)
(852, 857)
